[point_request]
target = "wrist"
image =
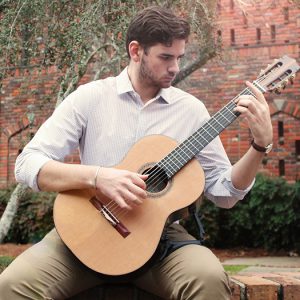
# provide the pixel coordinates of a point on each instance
(262, 148)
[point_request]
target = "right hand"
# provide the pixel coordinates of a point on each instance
(126, 188)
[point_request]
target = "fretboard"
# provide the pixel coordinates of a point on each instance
(185, 151)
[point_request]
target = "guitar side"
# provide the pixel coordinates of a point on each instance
(96, 243)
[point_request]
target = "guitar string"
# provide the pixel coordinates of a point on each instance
(172, 157)
(117, 210)
(156, 176)
(203, 132)
(214, 119)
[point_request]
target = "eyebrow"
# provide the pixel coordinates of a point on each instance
(171, 55)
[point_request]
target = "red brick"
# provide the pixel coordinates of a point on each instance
(258, 288)
(290, 286)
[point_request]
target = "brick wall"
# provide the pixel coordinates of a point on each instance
(252, 37)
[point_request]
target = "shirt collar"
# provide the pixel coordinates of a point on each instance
(124, 86)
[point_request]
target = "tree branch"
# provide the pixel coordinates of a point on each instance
(81, 71)
(205, 56)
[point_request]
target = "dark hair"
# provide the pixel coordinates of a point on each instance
(155, 25)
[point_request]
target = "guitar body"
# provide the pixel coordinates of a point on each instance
(93, 239)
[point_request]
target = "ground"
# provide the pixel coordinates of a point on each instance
(13, 250)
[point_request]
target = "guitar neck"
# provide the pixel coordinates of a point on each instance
(185, 151)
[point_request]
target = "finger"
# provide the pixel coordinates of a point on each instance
(248, 102)
(256, 92)
(137, 191)
(122, 203)
(241, 109)
(139, 180)
(131, 198)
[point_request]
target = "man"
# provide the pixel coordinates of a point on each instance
(104, 119)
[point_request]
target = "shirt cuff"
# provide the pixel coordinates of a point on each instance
(239, 194)
(31, 170)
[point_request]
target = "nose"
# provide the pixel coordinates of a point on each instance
(174, 67)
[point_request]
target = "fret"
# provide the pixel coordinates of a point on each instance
(213, 127)
(218, 125)
(207, 131)
(184, 152)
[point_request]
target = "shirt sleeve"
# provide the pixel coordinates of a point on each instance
(55, 139)
(217, 168)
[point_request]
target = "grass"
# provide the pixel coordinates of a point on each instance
(5, 261)
(230, 269)
(233, 269)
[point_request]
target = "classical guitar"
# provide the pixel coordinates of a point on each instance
(113, 241)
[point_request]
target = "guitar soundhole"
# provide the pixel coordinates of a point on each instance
(157, 180)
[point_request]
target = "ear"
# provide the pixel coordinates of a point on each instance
(135, 51)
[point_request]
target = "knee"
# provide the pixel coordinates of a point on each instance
(212, 278)
(210, 283)
(204, 279)
(209, 275)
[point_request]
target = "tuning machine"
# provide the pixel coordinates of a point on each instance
(285, 83)
(291, 78)
(278, 90)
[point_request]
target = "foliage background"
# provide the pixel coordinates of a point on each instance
(268, 217)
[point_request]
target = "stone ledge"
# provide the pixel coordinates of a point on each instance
(252, 286)
(266, 286)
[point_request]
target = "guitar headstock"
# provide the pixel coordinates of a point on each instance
(277, 75)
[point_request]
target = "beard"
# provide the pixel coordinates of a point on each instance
(148, 76)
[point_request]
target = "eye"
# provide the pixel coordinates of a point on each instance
(166, 57)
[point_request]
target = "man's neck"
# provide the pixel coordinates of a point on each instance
(145, 91)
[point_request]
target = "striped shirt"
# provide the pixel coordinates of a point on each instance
(105, 118)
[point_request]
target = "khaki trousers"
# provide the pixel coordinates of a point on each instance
(48, 270)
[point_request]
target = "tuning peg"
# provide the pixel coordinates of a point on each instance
(277, 90)
(291, 79)
(285, 83)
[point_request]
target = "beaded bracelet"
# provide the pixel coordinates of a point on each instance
(96, 176)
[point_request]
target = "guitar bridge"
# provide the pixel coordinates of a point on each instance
(110, 217)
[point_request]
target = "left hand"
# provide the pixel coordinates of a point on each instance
(255, 109)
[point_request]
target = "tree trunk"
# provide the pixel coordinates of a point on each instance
(11, 210)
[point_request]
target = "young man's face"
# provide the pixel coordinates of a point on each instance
(160, 64)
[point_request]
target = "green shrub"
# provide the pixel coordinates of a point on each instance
(34, 217)
(268, 217)
(4, 262)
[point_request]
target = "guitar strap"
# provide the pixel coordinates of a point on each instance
(167, 246)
